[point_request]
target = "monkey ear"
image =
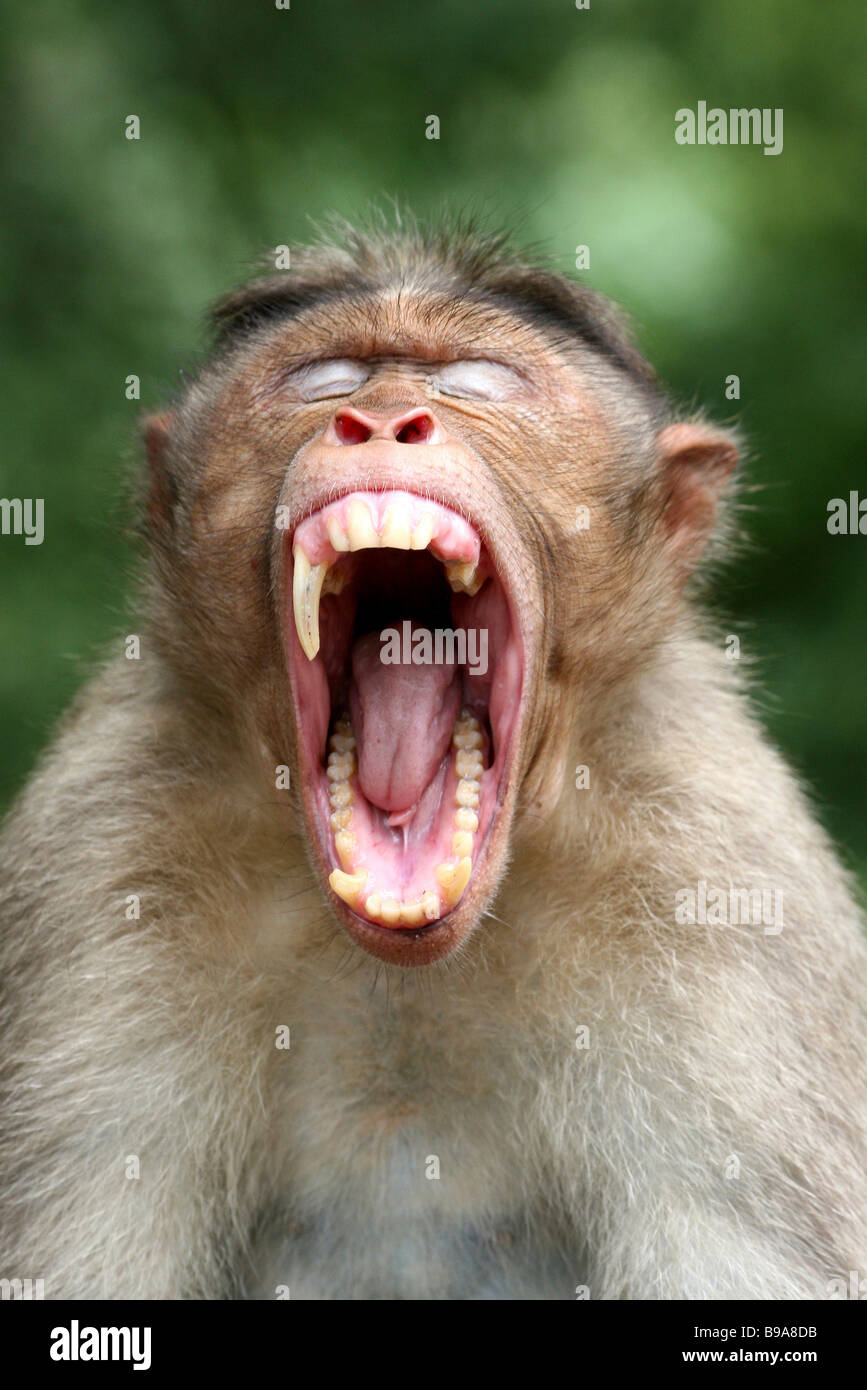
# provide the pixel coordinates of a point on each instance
(162, 493)
(696, 462)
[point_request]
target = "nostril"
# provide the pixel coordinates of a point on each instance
(350, 429)
(418, 430)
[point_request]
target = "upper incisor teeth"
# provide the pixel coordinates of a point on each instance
(395, 531)
(361, 530)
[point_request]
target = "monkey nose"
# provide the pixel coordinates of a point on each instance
(349, 425)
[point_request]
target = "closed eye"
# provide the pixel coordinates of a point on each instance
(319, 381)
(478, 380)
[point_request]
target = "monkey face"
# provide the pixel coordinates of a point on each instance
(440, 608)
(410, 614)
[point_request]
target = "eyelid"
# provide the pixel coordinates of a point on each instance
(328, 377)
(478, 378)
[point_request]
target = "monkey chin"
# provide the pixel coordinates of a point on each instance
(406, 659)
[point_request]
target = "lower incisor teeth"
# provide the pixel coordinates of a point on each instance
(412, 913)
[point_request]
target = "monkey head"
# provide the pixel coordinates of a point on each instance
(410, 525)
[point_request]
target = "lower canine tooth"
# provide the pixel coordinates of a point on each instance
(307, 582)
(347, 886)
(453, 879)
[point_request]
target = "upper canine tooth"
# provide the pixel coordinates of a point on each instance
(361, 531)
(336, 533)
(423, 533)
(395, 531)
(463, 576)
(306, 589)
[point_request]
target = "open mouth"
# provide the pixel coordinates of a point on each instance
(406, 667)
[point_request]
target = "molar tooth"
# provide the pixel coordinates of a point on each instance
(467, 739)
(340, 767)
(423, 533)
(347, 886)
(467, 794)
(306, 589)
(373, 905)
(346, 844)
(465, 819)
(453, 878)
(336, 534)
(468, 763)
(340, 794)
(361, 531)
(395, 531)
(430, 904)
(463, 576)
(390, 912)
(412, 913)
(342, 819)
(462, 844)
(342, 743)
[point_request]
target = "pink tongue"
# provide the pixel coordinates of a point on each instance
(402, 716)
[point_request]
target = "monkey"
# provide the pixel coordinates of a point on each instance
(327, 976)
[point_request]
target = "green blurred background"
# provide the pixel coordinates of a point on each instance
(556, 121)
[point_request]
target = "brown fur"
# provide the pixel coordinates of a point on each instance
(559, 1167)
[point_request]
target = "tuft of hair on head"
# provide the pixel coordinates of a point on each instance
(456, 256)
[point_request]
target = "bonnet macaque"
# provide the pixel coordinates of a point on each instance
(422, 912)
